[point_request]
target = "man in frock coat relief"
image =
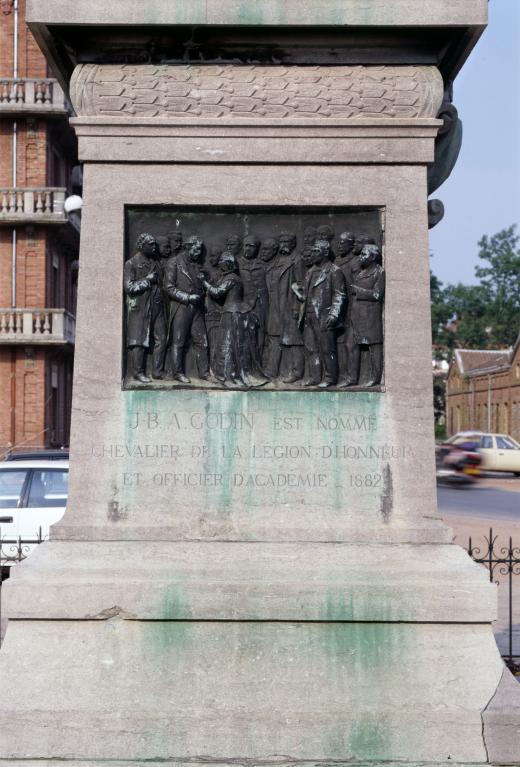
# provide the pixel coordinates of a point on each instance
(288, 350)
(252, 273)
(366, 315)
(324, 296)
(183, 286)
(146, 318)
(348, 262)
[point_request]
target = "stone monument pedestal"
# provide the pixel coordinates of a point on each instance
(254, 575)
(306, 652)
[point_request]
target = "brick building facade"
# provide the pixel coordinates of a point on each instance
(38, 242)
(483, 391)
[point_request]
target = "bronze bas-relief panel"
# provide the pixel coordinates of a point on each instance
(235, 298)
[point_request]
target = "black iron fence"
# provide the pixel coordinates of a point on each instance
(503, 563)
(13, 551)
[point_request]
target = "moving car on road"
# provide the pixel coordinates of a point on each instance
(457, 463)
(499, 452)
(33, 496)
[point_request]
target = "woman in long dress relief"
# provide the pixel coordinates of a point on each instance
(237, 357)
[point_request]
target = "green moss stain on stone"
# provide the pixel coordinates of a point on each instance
(250, 13)
(225, 446)
(261, 404)
(231, 449)
(375, 646)
(333, 13)
(365, 739)
(369, 739)
(164, 642)
(343, 604)
(192, 12)
(173, 631)
(338, 606)
(175, 605)
(365, 657)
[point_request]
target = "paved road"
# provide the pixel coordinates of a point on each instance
(492, 497)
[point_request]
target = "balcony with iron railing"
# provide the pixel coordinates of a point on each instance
(34, 205)
(29, 97)
(37, 326)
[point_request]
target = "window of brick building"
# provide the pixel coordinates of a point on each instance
(515, 420)
(495, 425)
(55, 286)
(504, 418)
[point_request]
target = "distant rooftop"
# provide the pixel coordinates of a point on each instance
(479, 361)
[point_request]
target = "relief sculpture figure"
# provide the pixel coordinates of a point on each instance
(309, 236)
(234, 244)
(146, 319)
(165, 251)
(326, 232)
(348, 262)
(272, 265)
(252, 272)
(213, 311)
(323, 299)
(290, 343)
(238, 363)
(350, 265)
(184, 288)
(255, 308)
(175, 238)
(367, 290)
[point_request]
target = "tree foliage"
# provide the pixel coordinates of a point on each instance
(500, 278)
(486, 315)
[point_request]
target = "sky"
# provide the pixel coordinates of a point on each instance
(482, 195)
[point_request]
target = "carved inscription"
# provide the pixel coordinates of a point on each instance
(230, 452)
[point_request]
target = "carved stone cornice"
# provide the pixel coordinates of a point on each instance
(226, 92)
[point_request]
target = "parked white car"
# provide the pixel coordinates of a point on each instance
(499, 452)
(33, 496)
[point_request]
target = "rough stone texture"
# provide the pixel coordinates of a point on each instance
(216, 91)
(279, 12)
(227, 763)
(381, 141)
(246, 690)
(502, 723)
(250, 581)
